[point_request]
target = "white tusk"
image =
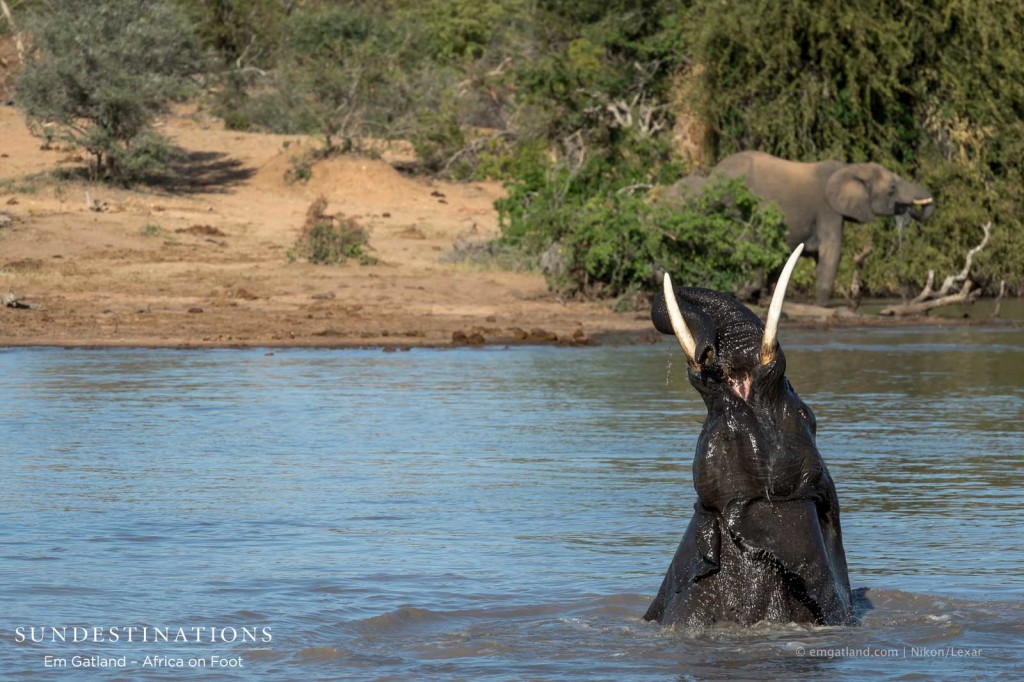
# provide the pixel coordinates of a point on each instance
(771, 324)
(922, 202)
(678, 324)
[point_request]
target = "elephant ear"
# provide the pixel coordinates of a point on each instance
(847, 193)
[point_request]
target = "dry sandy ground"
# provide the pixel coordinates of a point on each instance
(203, 262)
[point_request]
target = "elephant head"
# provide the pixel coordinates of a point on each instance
(764, 542)
(862, 191)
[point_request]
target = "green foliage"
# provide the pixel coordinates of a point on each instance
(625, 243)
(301, 168)
(969, 106)
(806, 79)
(244, 33)
(272, 103)
(330, 240)
(327, 243)
(101, 72)
(588, 55)
(437, 139)
(600, 238)
(466, 30)
(28, 184)
(929, 89)
(344, 65)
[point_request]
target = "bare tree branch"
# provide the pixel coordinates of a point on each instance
(927, 292)
(855, 280)
(631, 189)
(953, 279)
(928, 299)
(999, 299)
(6, 11)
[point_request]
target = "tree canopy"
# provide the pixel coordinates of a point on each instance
(98, 72)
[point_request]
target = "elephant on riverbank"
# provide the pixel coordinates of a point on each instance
(764, 543)
(816, 198)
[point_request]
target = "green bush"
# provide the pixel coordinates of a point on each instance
(243, 33)
(101, 71)
(623, 243)
(331, 240)
(598, 236)
(437, 140)
(330, 243)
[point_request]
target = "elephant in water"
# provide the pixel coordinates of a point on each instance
(816, 198)
(764, 543)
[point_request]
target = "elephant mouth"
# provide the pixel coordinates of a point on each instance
(739, 383)
(915, 206)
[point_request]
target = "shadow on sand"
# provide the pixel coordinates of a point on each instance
(186, 172)
(201, 172)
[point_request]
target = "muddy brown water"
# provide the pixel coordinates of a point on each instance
(486, 513)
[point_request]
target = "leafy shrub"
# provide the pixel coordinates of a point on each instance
(624, 243)
(437, 140)
(330, 240)
(243, 33)
(101, 71)
(597, 237)
(270, 103)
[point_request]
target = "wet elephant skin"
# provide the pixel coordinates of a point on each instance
(765, 542)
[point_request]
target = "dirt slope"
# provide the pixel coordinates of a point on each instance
(203, 261)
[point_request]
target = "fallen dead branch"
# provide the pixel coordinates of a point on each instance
(929, 299)
(807, 311)
(12, 300)
(97, 205)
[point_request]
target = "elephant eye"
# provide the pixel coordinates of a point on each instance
(892, 187)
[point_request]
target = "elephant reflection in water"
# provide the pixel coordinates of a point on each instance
(816, 198)
(764, 543)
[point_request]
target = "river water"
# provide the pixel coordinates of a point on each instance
(485, 514)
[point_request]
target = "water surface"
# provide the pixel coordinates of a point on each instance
(490, 514)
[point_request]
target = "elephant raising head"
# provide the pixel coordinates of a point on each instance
(861, 191)
(764, 543)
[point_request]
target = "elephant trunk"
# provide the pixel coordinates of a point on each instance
(916, 201)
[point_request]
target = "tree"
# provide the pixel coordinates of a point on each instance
(99, 72)
(343, 63)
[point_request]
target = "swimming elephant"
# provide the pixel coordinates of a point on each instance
(764, 543)
(816, 198)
